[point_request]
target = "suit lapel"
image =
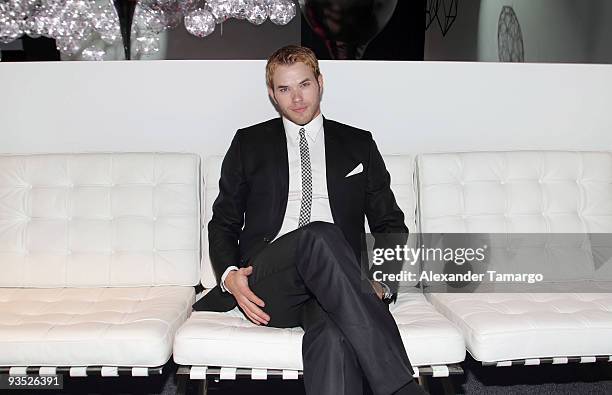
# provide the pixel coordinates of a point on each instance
(333, 165)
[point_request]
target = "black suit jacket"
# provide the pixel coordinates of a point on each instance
(253, 191)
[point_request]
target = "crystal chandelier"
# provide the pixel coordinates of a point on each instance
(83, 27)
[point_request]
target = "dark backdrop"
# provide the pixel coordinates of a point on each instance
(402, 39)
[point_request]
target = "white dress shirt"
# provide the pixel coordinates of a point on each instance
(320, 211)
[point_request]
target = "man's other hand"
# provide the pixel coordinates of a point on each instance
(237, 283)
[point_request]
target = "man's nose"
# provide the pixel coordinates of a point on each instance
(297, 96)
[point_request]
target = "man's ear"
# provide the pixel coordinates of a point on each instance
(271, 94)
(320, 81)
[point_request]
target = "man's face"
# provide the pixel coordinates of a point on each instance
(296, 92)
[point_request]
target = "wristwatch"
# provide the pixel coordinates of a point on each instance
(387, 296)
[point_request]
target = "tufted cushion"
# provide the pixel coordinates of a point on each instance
(512, 192)
(87, 220)
(524, 192)
(500, 327)
(91, 326)
(230, 340)
(401, 168)
(429, 338)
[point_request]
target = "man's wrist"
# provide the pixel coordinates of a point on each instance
(386, 291)
(224, 276)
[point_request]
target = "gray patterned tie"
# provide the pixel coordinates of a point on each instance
(306, 181)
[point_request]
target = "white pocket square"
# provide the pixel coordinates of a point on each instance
(356, 170)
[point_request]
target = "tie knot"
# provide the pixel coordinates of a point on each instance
(302, 132)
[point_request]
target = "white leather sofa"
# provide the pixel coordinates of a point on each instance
(99, 255)
(524, 192)
(227, 345)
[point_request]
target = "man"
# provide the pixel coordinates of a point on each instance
(286, 233)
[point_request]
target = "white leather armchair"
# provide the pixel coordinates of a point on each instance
(524, 192)
(99, 255)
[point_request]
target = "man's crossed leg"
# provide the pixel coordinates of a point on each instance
(311, 278)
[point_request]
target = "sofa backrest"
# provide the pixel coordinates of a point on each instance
(516, 192)
(401, 168)
(90, 220)
(524, 192)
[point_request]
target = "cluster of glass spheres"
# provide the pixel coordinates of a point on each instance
(84, 26)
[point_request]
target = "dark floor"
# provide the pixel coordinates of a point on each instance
(571, 379)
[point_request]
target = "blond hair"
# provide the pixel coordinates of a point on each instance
(289, 55)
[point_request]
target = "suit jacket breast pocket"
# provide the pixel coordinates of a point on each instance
(354, 180)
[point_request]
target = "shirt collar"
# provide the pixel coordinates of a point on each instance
(313, 129)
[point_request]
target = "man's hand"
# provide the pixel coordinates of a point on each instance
(378, 288)
(237, 283)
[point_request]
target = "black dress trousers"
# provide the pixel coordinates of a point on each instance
(311, 278)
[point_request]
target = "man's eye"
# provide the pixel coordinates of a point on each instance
(283, 89)
(305, 84)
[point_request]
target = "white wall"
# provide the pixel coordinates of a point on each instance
(196, 106)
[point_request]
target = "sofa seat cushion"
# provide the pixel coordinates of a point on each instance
(429, 337)
(91, 326)
(502, 327)
(230, 340)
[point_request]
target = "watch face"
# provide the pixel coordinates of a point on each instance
(509, 37)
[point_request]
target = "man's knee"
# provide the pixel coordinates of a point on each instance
(323, 237)
(322, 228)
(325, 231)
